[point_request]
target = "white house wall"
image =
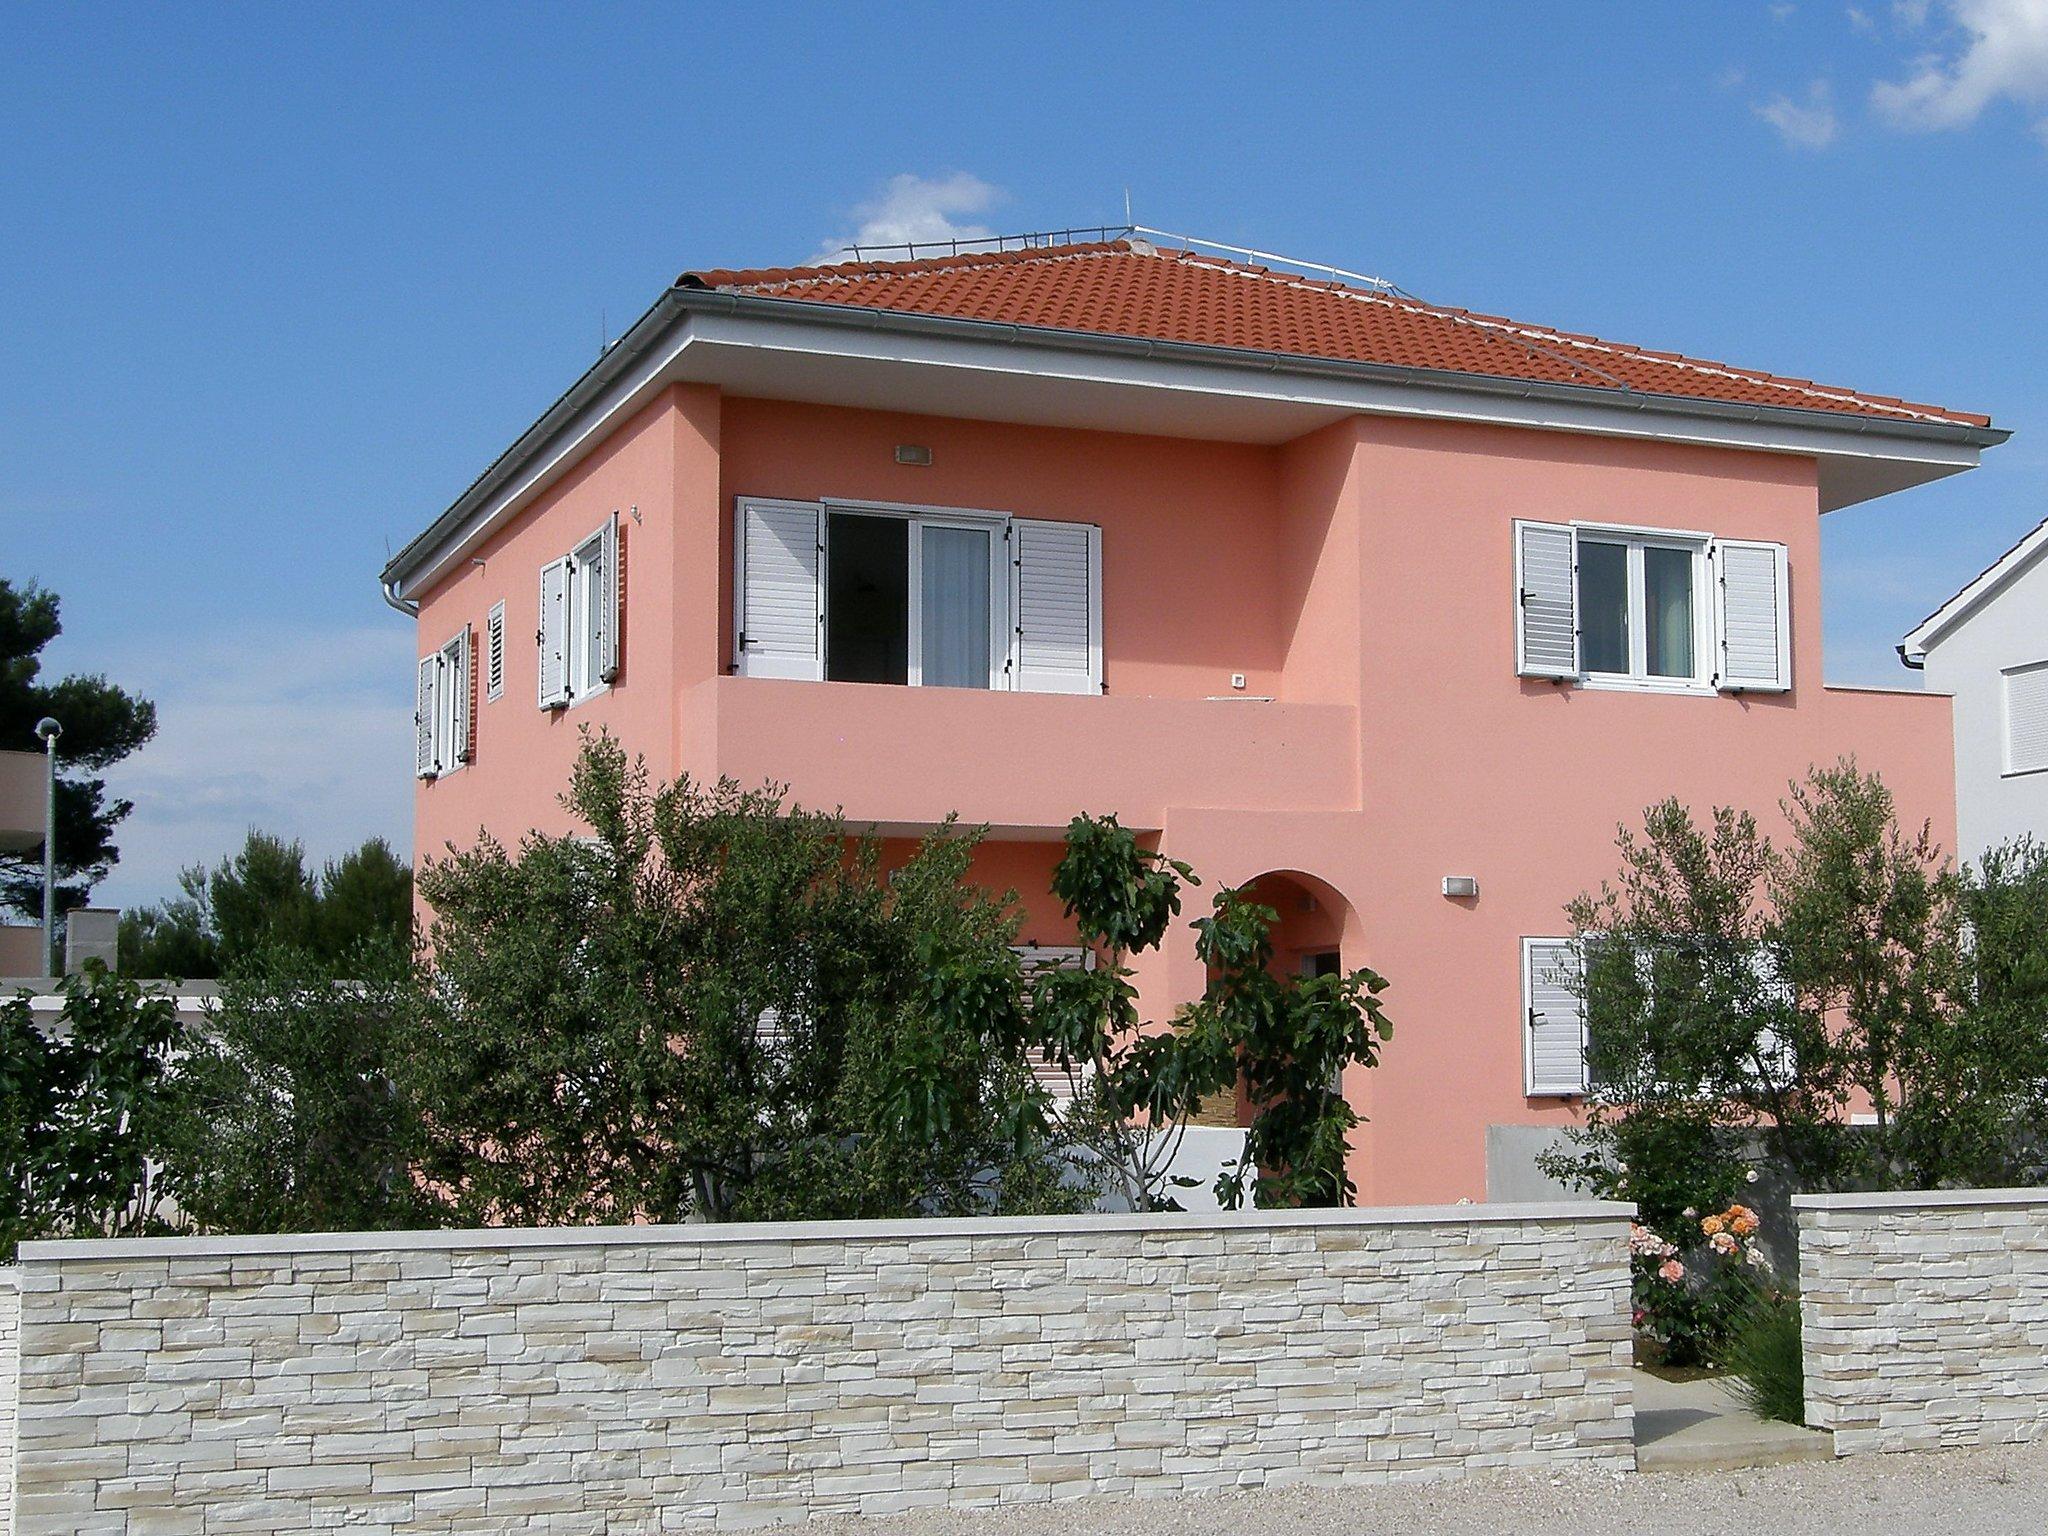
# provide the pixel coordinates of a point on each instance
(2009, 630)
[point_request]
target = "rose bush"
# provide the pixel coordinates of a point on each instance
(1687, 1294)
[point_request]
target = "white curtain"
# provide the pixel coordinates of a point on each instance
(955, 608)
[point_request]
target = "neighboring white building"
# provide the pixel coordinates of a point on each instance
(1988, 646)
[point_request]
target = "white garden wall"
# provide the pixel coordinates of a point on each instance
(1925, 1317)
(645, 1379)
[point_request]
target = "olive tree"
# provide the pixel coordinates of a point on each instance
(289, 1118)
(1746, 1003)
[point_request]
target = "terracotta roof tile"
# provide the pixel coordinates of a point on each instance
(1121, 288)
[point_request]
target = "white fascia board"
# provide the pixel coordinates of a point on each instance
(1468, 399)
(710, 336)
(1994, 579)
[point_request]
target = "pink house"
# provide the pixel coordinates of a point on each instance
(1397, 610)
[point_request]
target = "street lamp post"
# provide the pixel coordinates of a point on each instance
(49, 730)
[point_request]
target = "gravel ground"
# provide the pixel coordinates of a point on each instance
(2001, 1492)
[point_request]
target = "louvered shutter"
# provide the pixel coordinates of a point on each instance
(1036, 959)
(2026, 718)
(426, 707)
(1752, 599)
(460, 676)
(1056, 607)
(1546, 600)
(604, 595)
(553, 634)
(1555, 1056)
(781, 545)
(494, 651)
(1774, 1048)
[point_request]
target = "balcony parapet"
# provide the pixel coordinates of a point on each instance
(901, 758)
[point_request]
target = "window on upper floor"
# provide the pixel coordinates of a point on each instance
(578, 636)
(2026, 718)
(1638, 614)
(1644, 608)
(494, 652)
(443, 708)
(927, 597)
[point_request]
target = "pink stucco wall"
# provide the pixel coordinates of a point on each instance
(663, 463)
(1191, 593)
(1361, 575)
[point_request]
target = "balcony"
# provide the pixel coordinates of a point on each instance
(22, 788)
(900, 758)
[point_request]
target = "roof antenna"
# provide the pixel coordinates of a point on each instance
(1129, 222)
(604, 331)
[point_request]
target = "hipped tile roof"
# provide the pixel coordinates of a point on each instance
(1132, 289)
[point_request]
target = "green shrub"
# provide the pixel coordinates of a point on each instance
(1762, 1356)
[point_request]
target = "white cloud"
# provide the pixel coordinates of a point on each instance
(1911, 14)
(1811, 124)
(307, 736)
(916, 208)
(2001, 53)
(1860, 19)
(1783, 12)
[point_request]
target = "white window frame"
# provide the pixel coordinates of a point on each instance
(581, 610)
(990, 523)
(448, 678)
(2008, 768)
(1001, 597)
(1638, 679)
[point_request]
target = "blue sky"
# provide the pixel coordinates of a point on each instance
(274, 287)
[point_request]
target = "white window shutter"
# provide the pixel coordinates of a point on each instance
(1554, 1018)
(2026, 717)
(1546, 600)
(553, 635)
(780, 629)
(1752, 616)
(606, 598)
(1036, 959)
(1776, 1051)
(461, 678)
(1056, 607)
(427, 707)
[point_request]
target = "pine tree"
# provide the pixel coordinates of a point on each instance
(102, 725)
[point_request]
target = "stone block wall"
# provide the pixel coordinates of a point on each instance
(1925, 1317)
(655, 1379)
(10, 1360)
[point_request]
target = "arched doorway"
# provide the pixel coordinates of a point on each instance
(1316, 932)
